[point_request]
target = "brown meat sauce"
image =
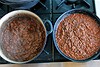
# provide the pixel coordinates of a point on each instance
(23, 38)
(78, 36)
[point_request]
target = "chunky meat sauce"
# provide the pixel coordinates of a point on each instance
(23, 38)
(78, 36)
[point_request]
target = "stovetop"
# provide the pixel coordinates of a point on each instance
(51, 10)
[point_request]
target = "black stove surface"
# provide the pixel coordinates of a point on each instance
(49, 9)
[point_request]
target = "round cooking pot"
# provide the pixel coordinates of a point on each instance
(57, 24)
(12, 14)
(20, 4)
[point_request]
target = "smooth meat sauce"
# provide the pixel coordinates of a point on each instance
(78, 36)
(23, 38)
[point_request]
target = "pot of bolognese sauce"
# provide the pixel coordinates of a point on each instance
(76, 35)
(23, 36)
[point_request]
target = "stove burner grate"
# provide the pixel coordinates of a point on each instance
(74, 3)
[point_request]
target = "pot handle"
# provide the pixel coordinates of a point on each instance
(48, 24)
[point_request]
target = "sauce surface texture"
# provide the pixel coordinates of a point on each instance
(78, 36)
(23, 38)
